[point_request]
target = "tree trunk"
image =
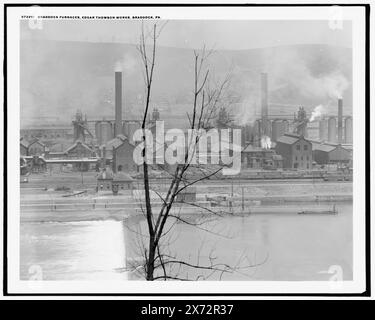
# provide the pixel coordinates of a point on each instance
(151, 261)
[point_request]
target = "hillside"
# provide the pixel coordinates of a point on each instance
(59, 77)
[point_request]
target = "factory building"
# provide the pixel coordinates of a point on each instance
(260, 158)
(329, 154)
(295, 150)
(80, 150)
(46, 132)
(33, 148)
(37, 148)
(119, 151)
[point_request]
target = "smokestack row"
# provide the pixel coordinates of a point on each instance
(329, 131)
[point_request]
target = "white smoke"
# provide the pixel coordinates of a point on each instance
(246, 112)
(265, 142)
(335, 84)
(317, 112)
(128, 64)
(288, 68)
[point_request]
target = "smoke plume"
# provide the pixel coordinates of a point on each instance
(317, 112)
(128, 64)
(265, 142)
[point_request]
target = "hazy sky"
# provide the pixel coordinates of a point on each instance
(234, 34)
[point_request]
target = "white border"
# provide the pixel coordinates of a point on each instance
(356, 14)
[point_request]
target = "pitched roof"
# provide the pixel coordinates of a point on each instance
(24, 143)
(323, 147)
(37, 141)
(117, 142)
(289, 138)
(75, 144)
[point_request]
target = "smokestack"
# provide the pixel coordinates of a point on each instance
(339, 122)
(118, 103)
(104, 157)
(264, 100)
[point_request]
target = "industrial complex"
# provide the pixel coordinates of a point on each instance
(273, 143)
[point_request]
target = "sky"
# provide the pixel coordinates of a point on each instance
(193, 34)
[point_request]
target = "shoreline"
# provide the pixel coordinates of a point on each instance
(74, 215)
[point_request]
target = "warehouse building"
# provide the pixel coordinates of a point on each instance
(330, 154)
(33, 148)
(119, 151)
(295, 150)
(260, 158)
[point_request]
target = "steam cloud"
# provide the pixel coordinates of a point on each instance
(317, 112)
(265, 142)
(290, 75)
(128, 63)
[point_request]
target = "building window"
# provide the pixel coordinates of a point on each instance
(298, 147)
(295, 166)
(296, 158)
(307, 158)
(308, 166)
(305, 147)
(302, 158)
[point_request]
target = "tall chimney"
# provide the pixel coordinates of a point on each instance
(264, 100)
(118, 103)
(339, 122)
(104, 158)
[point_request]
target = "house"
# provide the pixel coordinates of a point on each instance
(119, 151)
(33, 148)
(80, 150)
(36, 148)
(188, 195)
(277, 161)
(122, 181)
(295, 150)
(104, 180)
(256, 157)
(328, 154)
(109, 181)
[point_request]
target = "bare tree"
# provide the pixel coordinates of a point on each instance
(206, 101)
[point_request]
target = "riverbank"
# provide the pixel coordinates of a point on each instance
(199, 210)
(38, 205)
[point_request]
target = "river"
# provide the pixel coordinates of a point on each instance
(260, 246)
